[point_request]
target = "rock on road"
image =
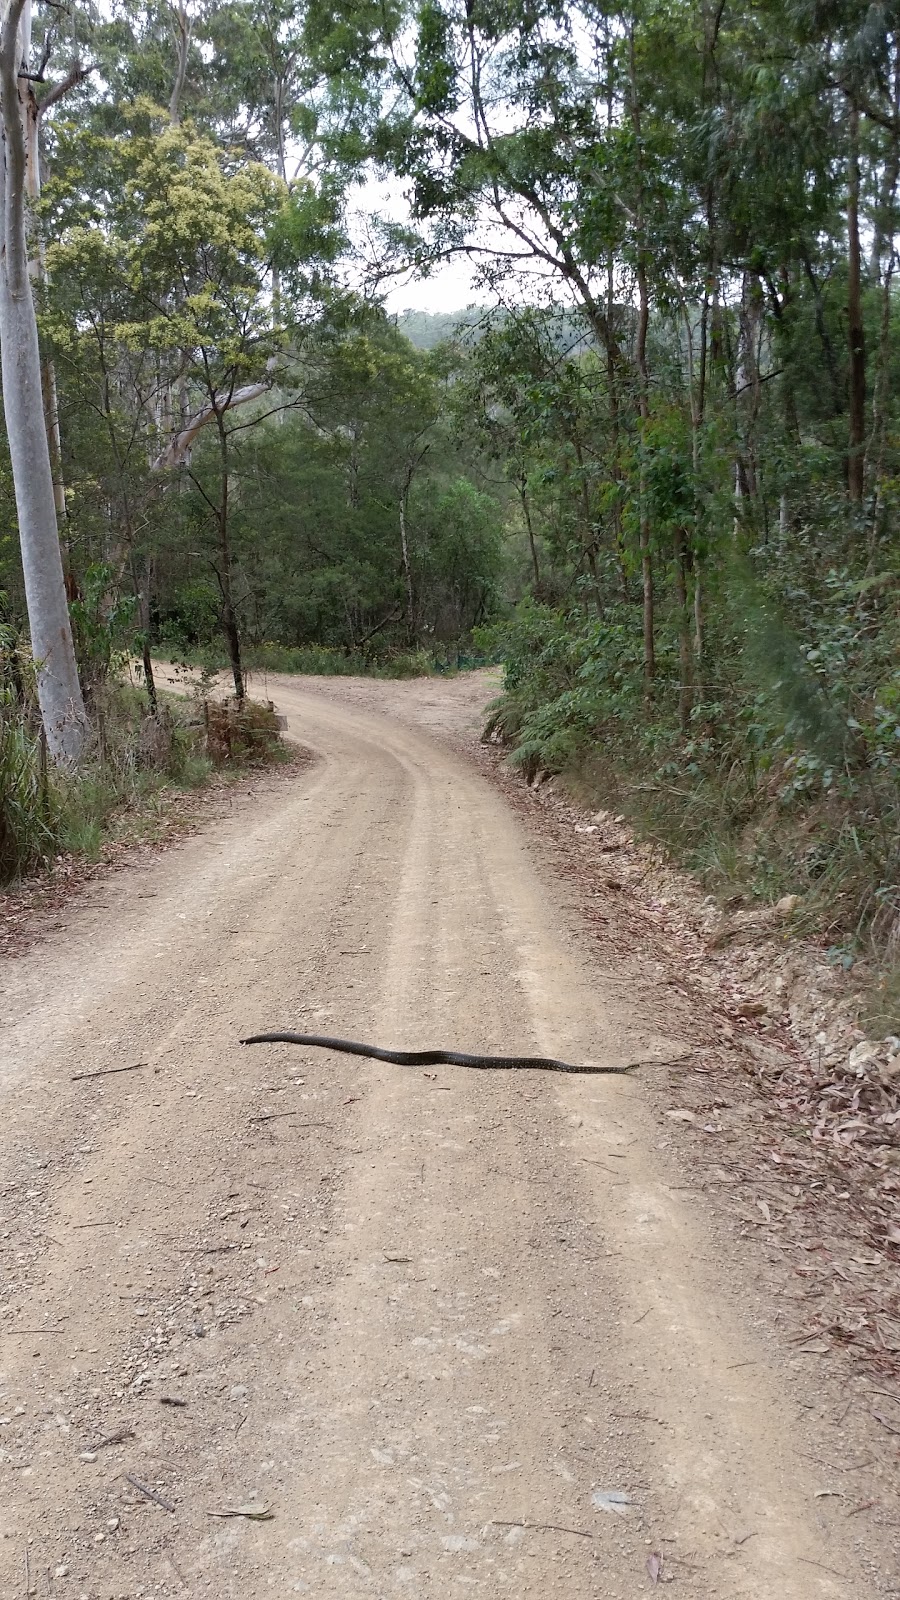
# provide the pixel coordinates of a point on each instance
(462, 1333)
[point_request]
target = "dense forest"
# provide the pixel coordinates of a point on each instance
(655, 469)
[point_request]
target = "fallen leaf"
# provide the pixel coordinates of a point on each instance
(654, 1567)
(254, 1512)
(610, 1500)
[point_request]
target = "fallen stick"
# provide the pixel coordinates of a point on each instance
(272, 1116)
(150, 1493)
(106, 1072)
(113, 1438)
(542, 1527)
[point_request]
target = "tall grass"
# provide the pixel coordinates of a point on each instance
(135, 763)
(29, 805)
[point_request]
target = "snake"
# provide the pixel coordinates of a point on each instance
(426, 1058)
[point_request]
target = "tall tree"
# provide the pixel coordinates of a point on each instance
(59, 691)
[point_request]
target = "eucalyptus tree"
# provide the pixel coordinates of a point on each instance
(59, 690)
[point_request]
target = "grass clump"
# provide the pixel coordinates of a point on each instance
(139, 761)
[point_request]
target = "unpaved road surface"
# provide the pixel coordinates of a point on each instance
(442, 1325)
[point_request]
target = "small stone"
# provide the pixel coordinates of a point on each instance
(238, 1392)
(61, 1571)
(863, 1053)
(113, 1524)
(787, 905)
(88, 1455)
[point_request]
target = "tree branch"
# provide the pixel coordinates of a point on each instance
(75, 75)
(178, 450)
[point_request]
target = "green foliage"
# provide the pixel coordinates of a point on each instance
(789, 778)
(100, 620)
(315, 661)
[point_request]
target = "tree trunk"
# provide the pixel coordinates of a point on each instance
(522, 486)
(182, 25)
(230, 629)
(223, 572)
(404, 556)
(747, 398)
(612, 385)
(643, 397)
(54, 439)
(699, 619)
(697, 401)
(857, 433)
(37, 270)
(685, 648)
(884, 246)
(146, 659)
(59, 691)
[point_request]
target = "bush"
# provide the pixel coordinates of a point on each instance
(788, 776)
(242, 733)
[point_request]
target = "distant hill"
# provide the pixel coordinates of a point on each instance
(425, 329)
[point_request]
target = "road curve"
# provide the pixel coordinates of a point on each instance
(460, 1333)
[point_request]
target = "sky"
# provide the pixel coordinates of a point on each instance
(449, 287)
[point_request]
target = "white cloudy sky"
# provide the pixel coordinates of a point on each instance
(448, 288)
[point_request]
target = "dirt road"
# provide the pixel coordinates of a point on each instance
(461, 1333)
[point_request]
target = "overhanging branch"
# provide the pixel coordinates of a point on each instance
(178, 451)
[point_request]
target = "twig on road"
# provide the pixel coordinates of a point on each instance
(542, 1527)
(272, 1116)
(808, 1562)
(150, 1493)
(113, 1438)
(106, 1072)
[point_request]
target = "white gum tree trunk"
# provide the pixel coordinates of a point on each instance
(59, 691)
